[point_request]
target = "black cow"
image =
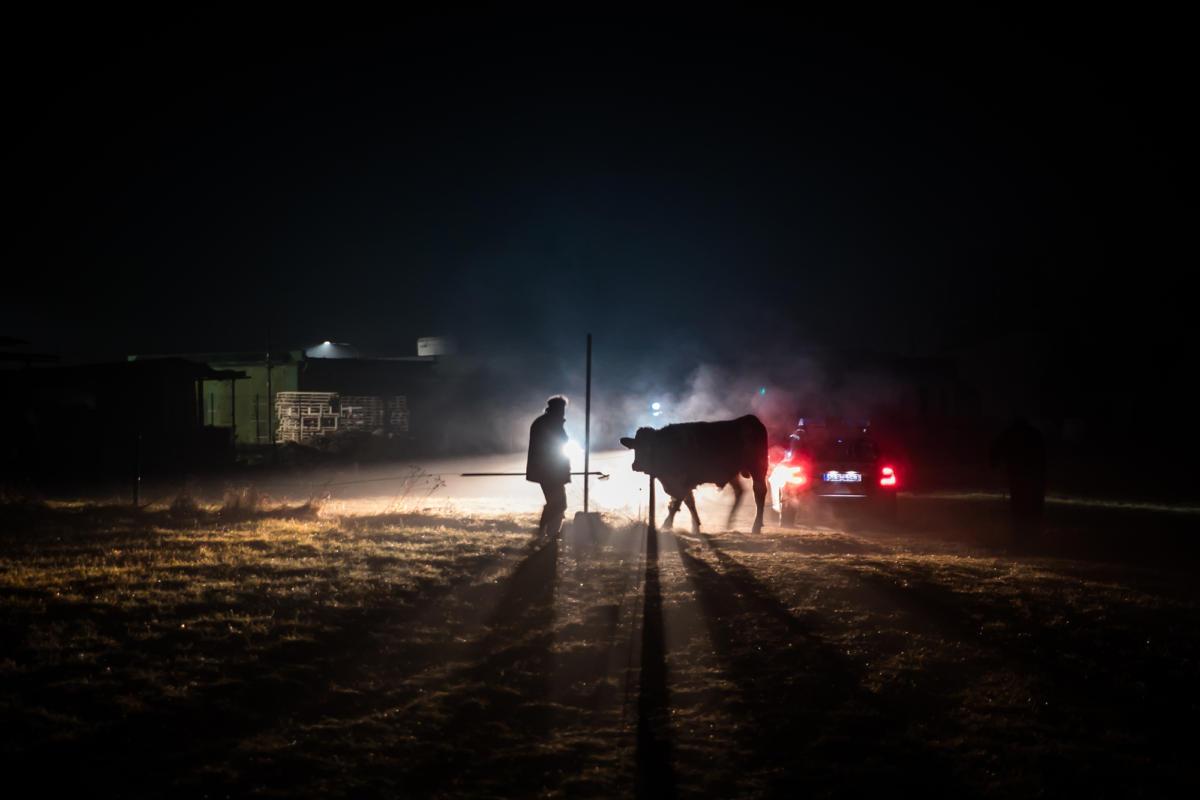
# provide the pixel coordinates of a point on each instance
(685, 455)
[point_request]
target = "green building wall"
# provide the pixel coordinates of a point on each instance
(250, 412)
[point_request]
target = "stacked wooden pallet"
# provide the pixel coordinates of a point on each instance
(303, 416)
(397, 410)
(361, 413)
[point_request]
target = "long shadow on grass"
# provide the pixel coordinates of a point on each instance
(496, 696)
(811, 728)
(655, 777)
(1104, 704)
(537, 710)
(487, 730)
(147, 750)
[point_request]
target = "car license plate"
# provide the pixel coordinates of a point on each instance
(833, 476)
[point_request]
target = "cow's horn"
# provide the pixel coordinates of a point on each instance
(625, 440)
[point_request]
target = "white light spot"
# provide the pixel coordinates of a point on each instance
(572, 450)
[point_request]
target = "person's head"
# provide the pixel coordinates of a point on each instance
(556, 406)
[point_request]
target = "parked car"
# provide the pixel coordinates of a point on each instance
(829, 461)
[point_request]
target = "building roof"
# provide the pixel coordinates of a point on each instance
(134, 371)
(246, 357)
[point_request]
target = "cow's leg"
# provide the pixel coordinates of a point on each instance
(690, 499)
(672, 510)
(760, 498)
(736, 484)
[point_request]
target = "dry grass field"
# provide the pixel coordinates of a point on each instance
(238, 650)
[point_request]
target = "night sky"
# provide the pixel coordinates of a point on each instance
(690, 184)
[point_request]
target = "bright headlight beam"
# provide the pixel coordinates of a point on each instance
(572, 450)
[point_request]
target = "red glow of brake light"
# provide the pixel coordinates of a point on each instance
(798, 477)
(787, 474)
(887, 477)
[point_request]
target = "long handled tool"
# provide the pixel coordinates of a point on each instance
(599, 475)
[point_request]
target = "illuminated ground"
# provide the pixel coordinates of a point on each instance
(196, 651)
(438, 487)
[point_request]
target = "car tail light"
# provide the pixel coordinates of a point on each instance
(887, 477)
(799, 476)
(796, 475)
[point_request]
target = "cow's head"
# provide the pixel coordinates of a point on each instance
(642, 445)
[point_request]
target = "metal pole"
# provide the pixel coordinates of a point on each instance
(587, 425)
(602, 475)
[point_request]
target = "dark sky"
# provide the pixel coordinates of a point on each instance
(691, 183)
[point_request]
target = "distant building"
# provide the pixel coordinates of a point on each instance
(110, 421)
(327, 389)
(435, 346)
(14, 354)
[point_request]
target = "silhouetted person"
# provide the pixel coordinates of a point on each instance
(1022, 450)
(548, 465)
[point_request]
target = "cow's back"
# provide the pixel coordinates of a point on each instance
(714, 452)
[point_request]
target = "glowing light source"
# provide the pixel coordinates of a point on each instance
(887, 477)
(656, 408)
(572, 450)
(785, 474)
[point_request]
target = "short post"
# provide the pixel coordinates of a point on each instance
(233, 409)
(137, 471)
(270, 402)
(650, 519)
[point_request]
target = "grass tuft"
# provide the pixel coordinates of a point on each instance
(242, 503)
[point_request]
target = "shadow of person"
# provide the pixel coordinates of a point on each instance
(496, 712)
(275, 683)
(1092, 681)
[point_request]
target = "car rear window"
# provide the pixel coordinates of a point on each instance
(860, 450)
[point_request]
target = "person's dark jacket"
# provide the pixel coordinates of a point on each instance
(546, 462)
